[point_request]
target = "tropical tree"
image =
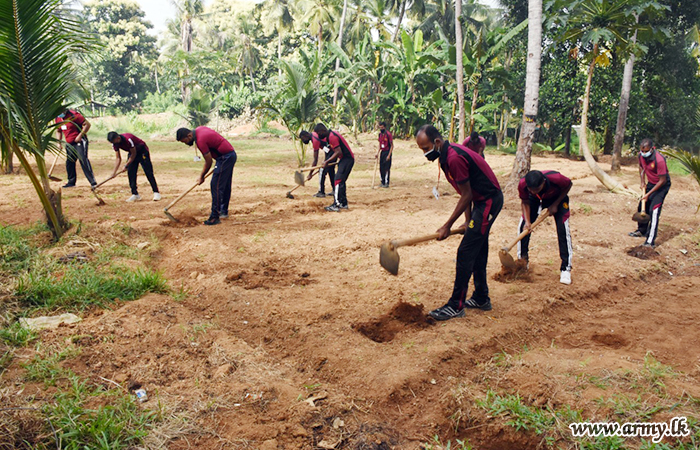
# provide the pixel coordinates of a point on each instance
(460, 67)
(187, 12)
(320, 15)
(521, 165)
(278, 12)
(599, 25)
(37, 42)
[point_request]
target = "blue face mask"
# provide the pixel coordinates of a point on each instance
(647, 154)
(62, 115)
(432, 155)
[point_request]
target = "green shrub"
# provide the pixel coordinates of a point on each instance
(233, 102)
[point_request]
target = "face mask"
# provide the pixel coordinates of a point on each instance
(61, 116)
(191, 143)
(647, 154)
(432, 155)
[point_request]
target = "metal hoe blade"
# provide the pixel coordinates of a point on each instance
(641, 217)
(299, 178)
(389, 258)
(170, 216)
(507, 261)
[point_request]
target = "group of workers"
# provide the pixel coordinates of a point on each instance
(464, 166)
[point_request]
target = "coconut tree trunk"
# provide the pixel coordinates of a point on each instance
(279, 50)
(609, 182)
(475, 97)
(402, 11)
(622, 110)
(340, 44)
(521, 165)
(460, 67)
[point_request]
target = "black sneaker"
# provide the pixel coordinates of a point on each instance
(343, 207)
(212, 221)
(319, 194)
(472, 304)
(333, 208)
(68, 185)
(330, 195)
(446, 312)
(636, 233)
(646, 244)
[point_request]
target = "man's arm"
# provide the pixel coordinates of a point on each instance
(207, 165)
(463, 206)
(641, 177)
(336, 154)
(84, 130)
(663, 179)
(313, 172)
(117, 163)
(525, 208)
(391, 149)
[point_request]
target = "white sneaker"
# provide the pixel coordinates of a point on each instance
(156, 196)
(565, 277)
(134, 198)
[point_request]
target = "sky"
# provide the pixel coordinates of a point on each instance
(158, 11)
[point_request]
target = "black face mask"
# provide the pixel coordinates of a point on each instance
(432, 155)
(191, 143)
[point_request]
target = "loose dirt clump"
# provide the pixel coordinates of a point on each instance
(610, 340)
(184, 221)
(643, 252)
(402, 317)
(520, 272)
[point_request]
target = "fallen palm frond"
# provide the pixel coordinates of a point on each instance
(688, 160)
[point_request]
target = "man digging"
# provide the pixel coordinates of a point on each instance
(212, 145)
(317, 145)
(480, 201)
(138, 154)
(546, 190)
(342, 154)
(386, 149)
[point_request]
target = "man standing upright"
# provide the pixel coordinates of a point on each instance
(480, 201)
(212, 145)
(318, 144)
(652, 165)
(476, 143)
(386, 149)
(138, 154)
(346, 159)
(73, 127)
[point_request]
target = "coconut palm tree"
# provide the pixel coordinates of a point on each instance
(279, 13)
(521, 165)
(37, 43)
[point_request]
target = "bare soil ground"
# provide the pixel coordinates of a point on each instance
(291, 335)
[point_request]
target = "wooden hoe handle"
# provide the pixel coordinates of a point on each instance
(185, 193)
(315, 167)
(543, 215)
(418, 240)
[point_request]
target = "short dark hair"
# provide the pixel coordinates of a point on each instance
(382, 124)
(182, 133)
(68, 112)
(534, 178)
(304, 135)
(112, 135)
(646, 141)
(320, 128)
(430, 131)
(474, 136)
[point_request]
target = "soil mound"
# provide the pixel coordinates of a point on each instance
(403, 316)
(184, 221)
(643, 252)
(519, 272)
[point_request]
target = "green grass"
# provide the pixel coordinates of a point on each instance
(117, 423)
(16, 335)
(676, 168)
(44, 366)
(82, 286)
(15, 249)
(133, 123)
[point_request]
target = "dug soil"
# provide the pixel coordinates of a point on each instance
(287, 333)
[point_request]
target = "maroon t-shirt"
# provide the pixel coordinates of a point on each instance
(476, 146)
(209, 141)
(554, 185)
(128, 142)
(317, 142)
(336, 140)
(71, 128)
(385, 141)
(654, 167)
(462, 165)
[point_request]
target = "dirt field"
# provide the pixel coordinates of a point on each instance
(291, 335)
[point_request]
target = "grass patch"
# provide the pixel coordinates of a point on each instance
(44, 367)
(16, 335)
(676, 168)
(82, 286)
(117, 423)
(15, 250)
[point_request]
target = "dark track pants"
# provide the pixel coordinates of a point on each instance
(74, 152)
(341, 176)
(384, 166)
(143, 157)
(473, 252)
(322, 176)
(221, 184)
(561, 218)
(653, 208)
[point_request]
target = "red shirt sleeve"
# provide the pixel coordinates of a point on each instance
(559, 179)
(522, 190)
(459, 169)
(333, 141)
(79, 120)
(661, 167)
